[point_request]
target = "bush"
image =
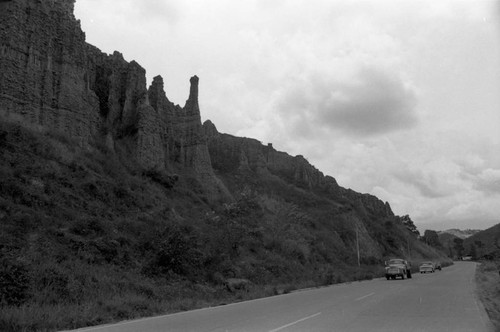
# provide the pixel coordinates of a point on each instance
(331, 277)
(161, 177)
(50, 284)
(88, 227)
(175, 252)
(14, 282)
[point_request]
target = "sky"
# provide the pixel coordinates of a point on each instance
(398, 99)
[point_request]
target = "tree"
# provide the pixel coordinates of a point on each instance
(450, 251)
(432, 238)
(458, 246)
(473, 251)
(406, 220)
(479, 246)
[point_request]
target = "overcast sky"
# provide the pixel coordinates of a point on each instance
(399, 99)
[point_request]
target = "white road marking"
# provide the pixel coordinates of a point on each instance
(293, 323)
(364, 297)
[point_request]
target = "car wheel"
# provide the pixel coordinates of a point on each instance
(387, 277)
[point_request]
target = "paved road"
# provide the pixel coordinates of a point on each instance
(441, 301)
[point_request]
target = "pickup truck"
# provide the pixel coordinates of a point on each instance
(397, 267)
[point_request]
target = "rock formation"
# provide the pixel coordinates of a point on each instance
(52, 77)
(236, 154)
(176, 137)
(43, 67)
(230, 153)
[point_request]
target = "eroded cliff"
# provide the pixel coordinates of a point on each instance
(44, 63)
(53, 78)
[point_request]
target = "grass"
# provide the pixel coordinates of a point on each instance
(488, 288)
(89, 237)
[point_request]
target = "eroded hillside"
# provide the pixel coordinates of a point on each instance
(90, 236)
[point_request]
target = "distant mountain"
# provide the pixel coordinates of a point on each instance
(462, 234)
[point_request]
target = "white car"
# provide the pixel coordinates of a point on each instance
(426, 267)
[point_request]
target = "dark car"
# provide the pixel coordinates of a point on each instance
(397, 267)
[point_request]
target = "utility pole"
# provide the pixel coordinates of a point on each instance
(357, 244)
(408, 244)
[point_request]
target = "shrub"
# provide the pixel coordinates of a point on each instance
(50, 284)
(175, 252)
(161, 177)
(370, 260)
(89, 227)
(14, 282)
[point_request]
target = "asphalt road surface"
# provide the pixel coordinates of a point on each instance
(440, 301)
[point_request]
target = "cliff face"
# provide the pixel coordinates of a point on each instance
(230, 153)
(52, 77)
(240, 154)
(171, 135)
(43, 67)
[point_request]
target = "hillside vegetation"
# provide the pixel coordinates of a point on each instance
(484, 244)
(88, 237)
(488, 288)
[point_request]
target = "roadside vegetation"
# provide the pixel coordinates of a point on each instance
(89, 237)
(488, 288)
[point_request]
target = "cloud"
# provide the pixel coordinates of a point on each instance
(130, 12)
(442, 181)
(167, 11)
(372, 102)
(488, 181)
(480, 166)
(426, 184)
(376, 103)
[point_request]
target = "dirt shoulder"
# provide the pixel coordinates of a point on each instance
(488, 288)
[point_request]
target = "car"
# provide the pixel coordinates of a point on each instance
(437, 266)
(397, 267)
(426, 267)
